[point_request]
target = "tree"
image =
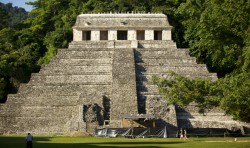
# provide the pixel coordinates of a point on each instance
(3, 16)
(231, 94)
(235, 97)
(181, 91)
(11, 16)
(216, 32)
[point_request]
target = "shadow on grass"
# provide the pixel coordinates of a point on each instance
(106, 144)
(44, 142)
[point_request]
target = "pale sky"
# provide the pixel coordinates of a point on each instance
(19, 3)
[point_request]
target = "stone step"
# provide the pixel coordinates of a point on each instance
(46, 111)
(156, 44)
(143, 54)
(147, 77)
(43, 100)
(70, 79)
(84, 54)
(49, 69)
(79, 49)
(9, 108)
(169, 64)
(112, 44)
(143, 68)
(39, 125)
(207, 122)
(200, 116)
(80, 61)
(164, 61)
(193, 108)
(159, 50)
(105, 44)
(88, 44)
(59, 90)
(120, 44)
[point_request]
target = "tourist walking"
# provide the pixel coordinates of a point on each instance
(28, 140)
(185, 135)
(181, 133)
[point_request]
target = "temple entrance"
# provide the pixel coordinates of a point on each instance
(104, 35)
(122, 35)
(157, 35)
(86, 35)
(140, 34)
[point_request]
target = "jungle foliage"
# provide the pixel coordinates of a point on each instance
(230, 94)
(216, 32)
(11, 16)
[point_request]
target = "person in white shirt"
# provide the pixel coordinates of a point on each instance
(185, 135)
(29, 139)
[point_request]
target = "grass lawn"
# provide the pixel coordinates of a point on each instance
(94, 142)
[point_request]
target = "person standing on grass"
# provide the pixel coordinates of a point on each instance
(29, 139)
(181, 133)
(185, 135)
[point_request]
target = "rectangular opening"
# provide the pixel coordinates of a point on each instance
(140, 34)
(122, 35)
(157, 35)
(104, 35)
(86, 35)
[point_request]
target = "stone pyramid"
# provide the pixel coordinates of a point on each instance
(104, 74)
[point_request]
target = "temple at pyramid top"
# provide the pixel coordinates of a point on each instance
(124, 26)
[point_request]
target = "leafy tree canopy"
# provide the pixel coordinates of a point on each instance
(231, 94)
(217, 32)
(11, 16)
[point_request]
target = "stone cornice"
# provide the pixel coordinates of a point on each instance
(122, 28)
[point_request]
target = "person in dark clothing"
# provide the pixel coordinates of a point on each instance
(28, 140)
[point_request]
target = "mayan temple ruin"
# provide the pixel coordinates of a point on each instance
(104, 75)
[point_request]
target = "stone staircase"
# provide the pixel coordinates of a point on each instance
(53, 100)
(158, 58)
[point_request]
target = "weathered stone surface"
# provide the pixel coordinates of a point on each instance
(101, 21)
(80, 61)
(124, 84)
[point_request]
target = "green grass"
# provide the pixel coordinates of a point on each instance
(94, 142)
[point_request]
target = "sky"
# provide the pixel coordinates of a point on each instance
(19, 3)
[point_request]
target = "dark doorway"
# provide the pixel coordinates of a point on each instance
(122, 35)
(86, 35)
(140, 34)
(157, 35)
(104, 35)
